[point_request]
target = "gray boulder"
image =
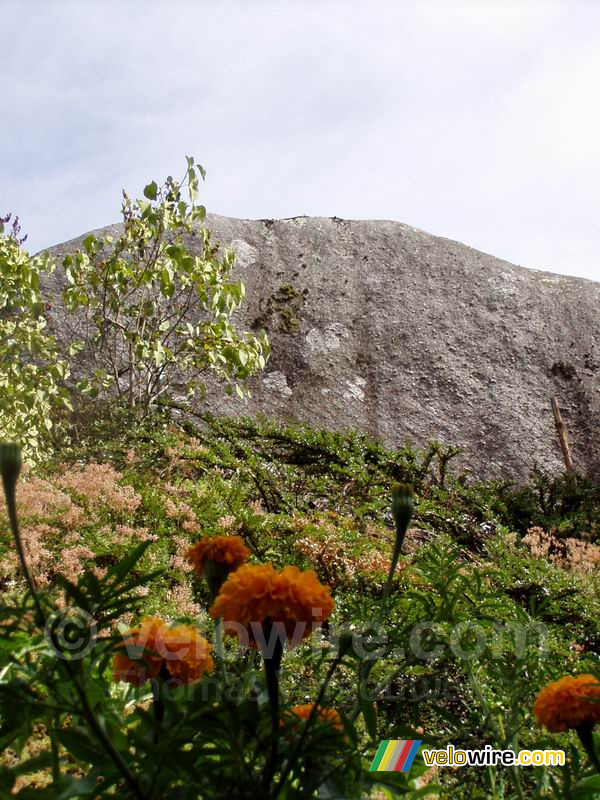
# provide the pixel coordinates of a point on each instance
(411, 337)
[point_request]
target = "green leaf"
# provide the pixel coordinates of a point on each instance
(81, 746)
(89, 243)
(33, 764)
(151, 191)
(369, 712)
(117, 572)
(587, 787)
(175, 251)
(72, 590)
(7, 776)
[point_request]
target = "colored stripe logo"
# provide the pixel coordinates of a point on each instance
(395, 755)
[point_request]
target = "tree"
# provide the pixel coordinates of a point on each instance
(158, 314)
(32, 375)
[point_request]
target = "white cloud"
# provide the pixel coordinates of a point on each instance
(477, 121)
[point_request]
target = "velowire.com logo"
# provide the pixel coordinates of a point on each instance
(397, 755)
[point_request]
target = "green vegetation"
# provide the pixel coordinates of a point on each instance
(151, 315)
(159, 313)
(566, 504)
(32, 376)
(477, 621)
(282, 310)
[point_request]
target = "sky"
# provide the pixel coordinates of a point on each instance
(478, 121)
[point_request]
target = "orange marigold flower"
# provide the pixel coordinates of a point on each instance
(153, 647)
(254, 595)
(188, 654)
(145, 646)
(329, 716)
(568, 703)
(229, 551)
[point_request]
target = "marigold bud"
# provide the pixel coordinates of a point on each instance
(402, 506)
(10, 465)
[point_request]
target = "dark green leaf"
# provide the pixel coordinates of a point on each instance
(151, 190)
(7, 777)
(89, 243)
(73, 591)
(369, 713)
(42, 761)
(587, 788)
(117, 572)
(81, 746)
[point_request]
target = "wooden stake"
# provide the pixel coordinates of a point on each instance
(562, 435)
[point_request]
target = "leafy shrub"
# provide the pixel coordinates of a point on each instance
(566, 505)
(154, 317)
(160, 315)
(32, 376)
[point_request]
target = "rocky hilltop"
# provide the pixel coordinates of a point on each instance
(379, 326)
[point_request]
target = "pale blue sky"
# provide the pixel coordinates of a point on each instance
(474, 120)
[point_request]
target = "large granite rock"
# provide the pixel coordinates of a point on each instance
(382, 327)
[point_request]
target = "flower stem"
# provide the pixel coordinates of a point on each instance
(272, 667)
(11, 504)
(307, 725)
(402, 510)
(517, 782)
(587, 740)
(157, 701)
(54, 750)
(101, 734)
(219, 646)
